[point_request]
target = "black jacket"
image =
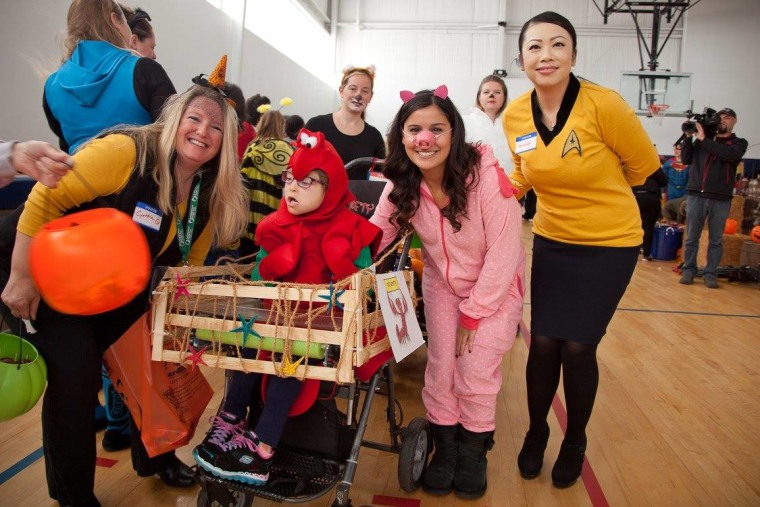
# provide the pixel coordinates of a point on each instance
(712, 166)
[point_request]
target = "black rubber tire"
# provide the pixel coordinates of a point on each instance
(242, 499)
(414, 453)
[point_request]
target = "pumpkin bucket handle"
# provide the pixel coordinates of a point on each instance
(96, 197)
(20, 340)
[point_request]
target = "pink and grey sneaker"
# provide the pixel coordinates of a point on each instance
(241, 459)
(224, 427)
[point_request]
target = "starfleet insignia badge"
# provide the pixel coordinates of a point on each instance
(571, 143)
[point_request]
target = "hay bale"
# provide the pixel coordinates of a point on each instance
(732, 249)
(737, 208)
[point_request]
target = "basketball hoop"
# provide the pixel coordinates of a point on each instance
(657, 112)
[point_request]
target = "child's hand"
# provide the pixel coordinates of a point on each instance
(281, 260)
(465, 340)
(339, 257)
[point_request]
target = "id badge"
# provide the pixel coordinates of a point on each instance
(147, 216)
(525, 143)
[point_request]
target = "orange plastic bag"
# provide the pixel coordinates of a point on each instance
(166, 399)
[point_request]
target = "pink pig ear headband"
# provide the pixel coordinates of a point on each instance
(442, 92)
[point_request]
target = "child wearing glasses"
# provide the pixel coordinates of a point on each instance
(312, 238)
(458, 200)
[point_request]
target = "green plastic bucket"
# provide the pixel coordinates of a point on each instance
(20, 385)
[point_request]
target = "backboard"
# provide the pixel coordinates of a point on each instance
(642, 88)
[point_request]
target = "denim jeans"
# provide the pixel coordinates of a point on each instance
(697, 210)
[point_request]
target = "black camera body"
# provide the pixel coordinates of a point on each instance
(709, 119)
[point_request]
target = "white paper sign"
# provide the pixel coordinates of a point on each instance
(404, 331)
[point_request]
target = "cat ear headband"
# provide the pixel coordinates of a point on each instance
(442, 92)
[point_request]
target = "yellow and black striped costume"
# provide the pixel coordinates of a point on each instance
(262, 164)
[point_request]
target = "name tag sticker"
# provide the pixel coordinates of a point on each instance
(525, 143)
(147, 216)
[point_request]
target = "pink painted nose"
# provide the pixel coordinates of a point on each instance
(424, 139)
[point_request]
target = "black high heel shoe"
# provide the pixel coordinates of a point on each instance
(531, 457)
(176, 474)
(569, 465)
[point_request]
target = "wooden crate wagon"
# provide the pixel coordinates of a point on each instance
(292, 320)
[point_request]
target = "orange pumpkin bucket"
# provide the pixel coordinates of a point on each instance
(90, 262)
(731, 226)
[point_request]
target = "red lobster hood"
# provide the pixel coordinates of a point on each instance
(313, 151)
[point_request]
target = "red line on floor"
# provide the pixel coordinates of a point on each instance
(590, 482)
(395, 501)
(105, 462)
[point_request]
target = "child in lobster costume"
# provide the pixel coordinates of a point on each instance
(312, 238)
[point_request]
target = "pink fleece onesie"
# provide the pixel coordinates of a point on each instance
(472, 278)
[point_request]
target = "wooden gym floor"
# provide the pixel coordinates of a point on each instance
(676, 421)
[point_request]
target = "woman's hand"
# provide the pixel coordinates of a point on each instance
(465, 340)
(21, 296)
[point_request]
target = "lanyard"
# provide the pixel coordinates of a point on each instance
(185, 235)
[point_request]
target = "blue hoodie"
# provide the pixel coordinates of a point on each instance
(94, 90)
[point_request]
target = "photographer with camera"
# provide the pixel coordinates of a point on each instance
(712, 160)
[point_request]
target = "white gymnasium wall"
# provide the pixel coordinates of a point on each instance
(722, 38)
(422, 43)
(191, 37)
(414, 44)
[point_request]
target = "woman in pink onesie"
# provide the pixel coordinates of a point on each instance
(457, 199)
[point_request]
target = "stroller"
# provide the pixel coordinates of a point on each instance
(320, 448)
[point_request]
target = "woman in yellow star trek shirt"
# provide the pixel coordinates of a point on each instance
(580, 147)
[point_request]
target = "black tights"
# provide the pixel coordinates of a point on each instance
(580, 380)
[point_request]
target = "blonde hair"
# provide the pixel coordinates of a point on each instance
(91, 20)
(156, 152)
(271, 125)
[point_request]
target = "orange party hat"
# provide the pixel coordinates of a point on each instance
(218, 77)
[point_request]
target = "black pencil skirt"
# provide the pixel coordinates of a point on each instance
(575, 289)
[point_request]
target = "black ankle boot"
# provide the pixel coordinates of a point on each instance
(176, 474)
(569, 464)
(531, 457)
(470, 478)
(115, 441)
(439, 474)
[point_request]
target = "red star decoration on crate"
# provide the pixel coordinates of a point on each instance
(181, 287)
(196, 356)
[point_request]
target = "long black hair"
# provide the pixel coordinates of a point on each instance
(460, 173)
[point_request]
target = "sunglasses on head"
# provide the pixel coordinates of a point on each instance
(139, 16)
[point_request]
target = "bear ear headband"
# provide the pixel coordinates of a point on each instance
(369, 69)
(441, 92)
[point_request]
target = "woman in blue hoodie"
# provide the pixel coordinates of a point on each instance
(101, 83)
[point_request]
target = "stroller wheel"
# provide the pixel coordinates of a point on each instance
(219, 496)
(413, 456)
